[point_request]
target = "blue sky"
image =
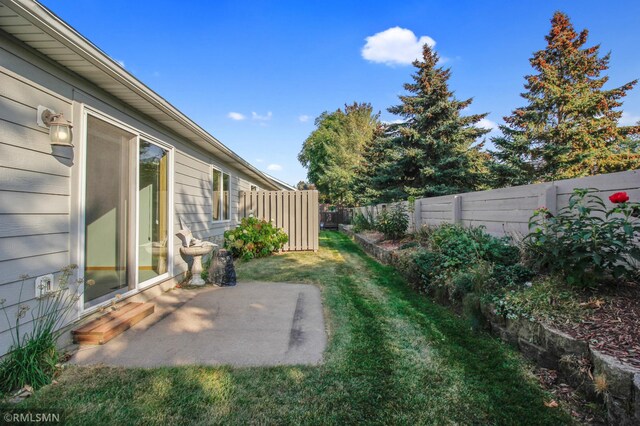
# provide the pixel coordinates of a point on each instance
(255, 74)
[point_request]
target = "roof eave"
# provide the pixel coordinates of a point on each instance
(56, 28)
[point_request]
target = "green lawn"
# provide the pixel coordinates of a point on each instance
(393, 357)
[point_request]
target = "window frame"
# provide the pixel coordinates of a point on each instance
(83, 308)
(221, 196)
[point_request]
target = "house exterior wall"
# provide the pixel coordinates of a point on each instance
(41, 187)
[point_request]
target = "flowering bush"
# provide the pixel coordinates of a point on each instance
(619, 197)
(586, 242)
(254, 238)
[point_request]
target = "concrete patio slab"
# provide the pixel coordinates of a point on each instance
(252, 324)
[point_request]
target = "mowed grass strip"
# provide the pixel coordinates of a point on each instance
(393, 357)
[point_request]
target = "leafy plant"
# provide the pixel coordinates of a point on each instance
(423, 234)
(33, 355)
(586, 242)
(546, 299)
(364, 222)
(469, 259)
(254, 238)
(393, 223)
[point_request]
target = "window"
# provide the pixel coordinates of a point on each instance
(221, 198)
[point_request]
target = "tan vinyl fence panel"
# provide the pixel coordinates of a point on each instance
(294, 211)
(506, 211)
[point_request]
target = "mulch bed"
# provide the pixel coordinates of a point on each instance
(581, 411)
(613, 324)
(378, 238)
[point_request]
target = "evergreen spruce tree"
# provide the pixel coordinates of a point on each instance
(569, 127)
(433, 151)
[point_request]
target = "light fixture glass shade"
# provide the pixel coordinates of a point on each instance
(60, 135)
(60, 131)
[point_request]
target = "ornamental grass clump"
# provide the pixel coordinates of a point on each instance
(33, 356)
(586, 242)
(254, 238)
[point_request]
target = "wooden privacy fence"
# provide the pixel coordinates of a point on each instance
(294, 211)
(507, 211)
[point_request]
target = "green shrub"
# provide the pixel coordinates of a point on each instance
(404, 261)
(431, 268)
(463, 245)
(471, 279)
(393, 222)
(33, 356)
(585, 242)
(254, 238)
(456, 244)
(468, 259)
(423, 234)
(363, 222)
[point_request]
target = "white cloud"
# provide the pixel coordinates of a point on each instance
(303, 118)
(397, 121)
(121, 63)
(485, 123)
(274, 167)
(259, 160)
(395, 46)
(236, 116)
(258, 117)
(628, 119)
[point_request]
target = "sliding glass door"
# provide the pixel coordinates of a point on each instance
(153, 213)
(126, 211)
(108, 211)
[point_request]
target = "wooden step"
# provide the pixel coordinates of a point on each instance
(108, 326)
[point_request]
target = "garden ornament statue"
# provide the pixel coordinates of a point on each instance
(195, 249)
(222, 272)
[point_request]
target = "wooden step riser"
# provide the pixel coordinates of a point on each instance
(104, 329)
(106, 318)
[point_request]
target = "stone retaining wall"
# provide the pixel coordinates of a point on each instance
(550, 348)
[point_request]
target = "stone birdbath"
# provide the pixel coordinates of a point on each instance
(196, 249)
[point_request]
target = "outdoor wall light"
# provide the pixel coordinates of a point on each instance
(59, 128)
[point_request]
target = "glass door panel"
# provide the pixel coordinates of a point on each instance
(226, 201)
(107, 211)
(215, 199)
(153, 211)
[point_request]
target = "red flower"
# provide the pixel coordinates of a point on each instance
(619, 197)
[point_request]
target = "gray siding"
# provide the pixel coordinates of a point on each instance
(34, 194)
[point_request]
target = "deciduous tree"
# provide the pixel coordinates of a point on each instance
(333, 153)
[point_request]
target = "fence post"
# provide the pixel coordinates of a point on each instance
(417, 215)
(549, 198)
(457, 208)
